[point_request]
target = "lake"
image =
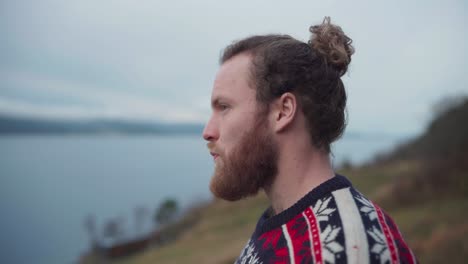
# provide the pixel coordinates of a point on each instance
(49, 184)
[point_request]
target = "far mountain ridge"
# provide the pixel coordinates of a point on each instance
(12, 124)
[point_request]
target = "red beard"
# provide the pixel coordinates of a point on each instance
(251, 165)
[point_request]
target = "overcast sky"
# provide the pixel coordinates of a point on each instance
(156, 60)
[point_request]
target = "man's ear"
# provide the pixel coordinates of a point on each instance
(284, 112)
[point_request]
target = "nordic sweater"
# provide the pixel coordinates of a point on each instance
(334, 223)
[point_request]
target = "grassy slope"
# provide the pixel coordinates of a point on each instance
(437, 230)
(218, 237)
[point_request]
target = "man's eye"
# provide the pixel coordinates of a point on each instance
(223, 107)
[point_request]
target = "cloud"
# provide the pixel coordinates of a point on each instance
(94, 102)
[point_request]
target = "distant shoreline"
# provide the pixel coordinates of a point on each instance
(15, 125)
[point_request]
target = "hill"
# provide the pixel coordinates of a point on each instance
(11, 124)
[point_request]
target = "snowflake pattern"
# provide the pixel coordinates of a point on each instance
(330, 247)
(321, 210)
(329, 244)
(380, 246)
(249, 255)
(367, 208)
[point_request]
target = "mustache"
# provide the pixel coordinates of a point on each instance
(210, 146)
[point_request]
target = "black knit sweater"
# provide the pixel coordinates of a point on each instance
(334, 223)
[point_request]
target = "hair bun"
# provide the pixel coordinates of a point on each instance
(332, 44)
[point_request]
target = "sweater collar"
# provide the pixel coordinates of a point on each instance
(268, 222)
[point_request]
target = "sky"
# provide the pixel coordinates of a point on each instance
(156, 60)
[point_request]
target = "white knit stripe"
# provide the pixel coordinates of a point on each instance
(289, 243)
(357, 248)
(310, 237)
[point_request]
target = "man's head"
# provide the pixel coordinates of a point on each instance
(239, 137)
(258, 73)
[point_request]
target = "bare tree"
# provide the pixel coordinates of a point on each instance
(90, 227)
(113, 229)
(166, 212)
(141, 214)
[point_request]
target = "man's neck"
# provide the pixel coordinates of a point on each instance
(300, 169)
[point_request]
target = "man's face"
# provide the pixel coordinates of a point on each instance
(239, 137)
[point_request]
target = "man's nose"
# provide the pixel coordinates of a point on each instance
(210, 132)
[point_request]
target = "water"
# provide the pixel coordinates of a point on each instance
(49, 184)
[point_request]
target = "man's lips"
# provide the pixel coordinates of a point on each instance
(214, 154)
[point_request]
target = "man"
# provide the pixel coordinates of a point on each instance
(278, 104)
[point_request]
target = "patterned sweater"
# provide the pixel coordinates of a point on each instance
(333, 223)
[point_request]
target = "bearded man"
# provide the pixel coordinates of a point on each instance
(277, 105)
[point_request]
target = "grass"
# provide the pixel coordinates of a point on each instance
(218, 237)
(436, 229)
